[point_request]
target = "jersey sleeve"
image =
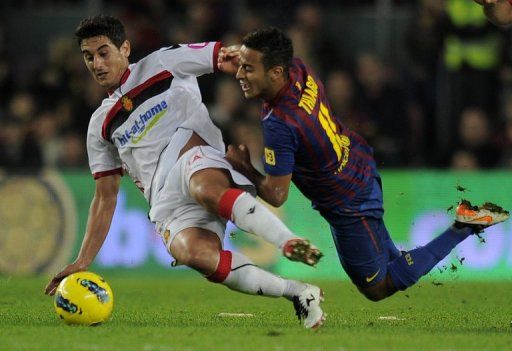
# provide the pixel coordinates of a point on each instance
(104, 158)
(280, 145)
(190, 59)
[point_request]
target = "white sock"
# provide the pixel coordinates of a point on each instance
(244, 276)
(252, 216)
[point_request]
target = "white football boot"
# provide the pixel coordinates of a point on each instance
(307, 306)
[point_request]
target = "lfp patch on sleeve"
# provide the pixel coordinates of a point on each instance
(270, 157)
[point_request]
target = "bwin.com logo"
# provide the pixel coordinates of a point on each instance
(143, 124)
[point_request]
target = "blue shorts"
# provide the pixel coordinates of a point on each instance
(364, 248)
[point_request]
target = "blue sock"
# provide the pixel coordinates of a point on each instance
(412, 265)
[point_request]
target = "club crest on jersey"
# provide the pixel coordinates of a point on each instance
(270, 157)
(127, 103)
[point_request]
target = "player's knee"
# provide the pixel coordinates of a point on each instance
(374, 295)
(206, 194)
(379, 291)
(204, 259)
(197, 249)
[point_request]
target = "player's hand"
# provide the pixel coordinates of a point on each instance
(239, 157)
(228, 59)
(69, 269)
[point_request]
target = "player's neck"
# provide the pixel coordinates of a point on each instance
(277, 89)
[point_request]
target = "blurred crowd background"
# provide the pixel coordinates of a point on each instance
(428, 83)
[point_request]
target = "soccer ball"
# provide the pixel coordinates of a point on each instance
(84, 298)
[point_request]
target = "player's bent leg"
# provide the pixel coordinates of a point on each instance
(252, 216)
(201, 250)
(238, 273)
(364, 248)
(212, 188)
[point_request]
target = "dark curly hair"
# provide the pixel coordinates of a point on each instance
(105, 25)
(276, 47)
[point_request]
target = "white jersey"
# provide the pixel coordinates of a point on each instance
(141, 127)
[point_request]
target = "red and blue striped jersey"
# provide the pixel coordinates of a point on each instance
(330, 164)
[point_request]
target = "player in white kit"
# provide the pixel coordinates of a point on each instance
(154, 127)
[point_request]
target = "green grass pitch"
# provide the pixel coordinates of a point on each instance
(180, 312)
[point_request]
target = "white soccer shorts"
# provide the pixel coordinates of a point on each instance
(175, 199)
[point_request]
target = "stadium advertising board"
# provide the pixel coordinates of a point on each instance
(417, 208)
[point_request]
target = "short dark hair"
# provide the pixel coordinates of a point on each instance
(108, 26)
(276, 47)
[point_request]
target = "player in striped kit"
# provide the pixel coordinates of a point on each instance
(154, 127)
(332, 166)
(498, 12)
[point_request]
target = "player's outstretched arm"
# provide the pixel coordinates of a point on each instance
(498, 12)
(272, 189)
(100, 217)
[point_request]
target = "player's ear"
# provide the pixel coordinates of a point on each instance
(276, 72)
(125, 48)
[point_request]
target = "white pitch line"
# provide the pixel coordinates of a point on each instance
(391, 318)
